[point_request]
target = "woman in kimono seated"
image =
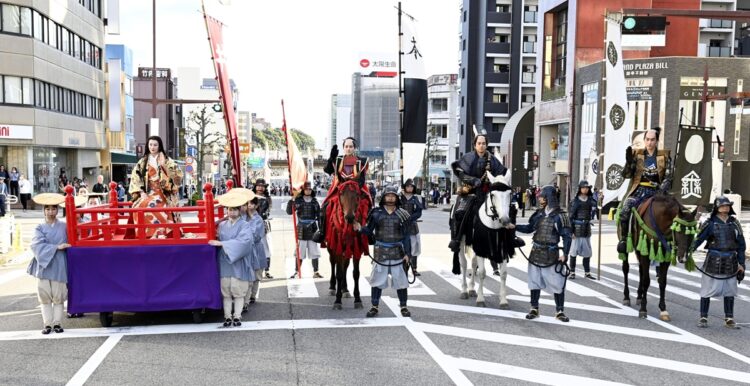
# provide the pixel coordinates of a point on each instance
(155, 183)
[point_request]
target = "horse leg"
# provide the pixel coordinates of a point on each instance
(645, 282)
(626, 291)
(340, 277)
(473, 270)
(463, 262)
(481, 273)
(344, 285)
(662, 279)
(357, 299)
(503, 267)
(332, 286)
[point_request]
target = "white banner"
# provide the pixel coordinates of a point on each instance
(617, 135)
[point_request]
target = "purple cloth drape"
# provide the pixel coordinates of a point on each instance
(143, 278)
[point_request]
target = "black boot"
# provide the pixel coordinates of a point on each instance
(320, 234)
(622, 246)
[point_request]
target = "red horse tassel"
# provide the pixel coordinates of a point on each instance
(341, 238)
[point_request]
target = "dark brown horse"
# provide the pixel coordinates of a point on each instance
(662, 231)
(349, 203)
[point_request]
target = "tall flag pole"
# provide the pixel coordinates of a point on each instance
(413, 89)
(293, 157)
(216, 41)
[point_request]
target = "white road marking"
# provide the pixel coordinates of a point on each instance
(525, 374)
(455, 280)
(572, 287)
(419, 288)
(573, 348)
(88, 368)
(12, 275)
(299, 288)
(579, 306)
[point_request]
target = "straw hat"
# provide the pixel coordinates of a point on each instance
(235, 200)
(79, 200)
(49, 199)
(243, 191)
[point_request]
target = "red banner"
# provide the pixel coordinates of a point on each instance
(297, 166)
(216, 41)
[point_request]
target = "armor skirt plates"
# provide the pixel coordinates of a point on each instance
(581, 246)
(711, 287)
(545, 279)
(379, 276)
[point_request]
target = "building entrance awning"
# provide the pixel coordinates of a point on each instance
(124, 158)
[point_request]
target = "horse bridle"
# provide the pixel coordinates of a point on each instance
(494, 216)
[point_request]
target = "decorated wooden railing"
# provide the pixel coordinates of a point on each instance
(118, 223)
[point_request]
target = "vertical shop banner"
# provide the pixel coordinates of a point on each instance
(693, 176)
(414, 131)
(216, 41)
(616, 129)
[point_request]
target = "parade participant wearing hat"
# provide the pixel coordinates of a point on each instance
(264, 210)
(580, 216)
(234, 257)
(724, 266)
(546, 269)
(472, 171)
(410, 203)
(49, 264)
(78, 201)
(388, 224)
(307, 210)
(348, 166)
(650, 170)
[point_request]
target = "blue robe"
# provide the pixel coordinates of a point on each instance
(235, 254)
(257, 229)
(49, 262)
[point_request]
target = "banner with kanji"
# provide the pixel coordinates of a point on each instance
(216, 40)
(617, 131)
(693, 177)
(414, 134)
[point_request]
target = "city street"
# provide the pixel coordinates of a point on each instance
(293, 336)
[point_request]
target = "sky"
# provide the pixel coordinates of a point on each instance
(301, 51)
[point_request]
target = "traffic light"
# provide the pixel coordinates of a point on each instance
(721, 152)
(534, 161)
(526, 160)
(217, 107)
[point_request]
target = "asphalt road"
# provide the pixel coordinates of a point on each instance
(293, 336)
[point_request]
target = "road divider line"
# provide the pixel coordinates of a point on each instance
(88, 368)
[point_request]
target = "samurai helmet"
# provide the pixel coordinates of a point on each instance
(389, 190)
(721, 201)
(584, 184)
(549, 193)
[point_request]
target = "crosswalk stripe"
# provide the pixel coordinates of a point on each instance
(455, 280)
(574, 288)
(670, 288)
(579, 306)
(516, 284)
(12, 275)
(299, 288)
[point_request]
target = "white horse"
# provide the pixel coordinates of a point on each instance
(493, 214)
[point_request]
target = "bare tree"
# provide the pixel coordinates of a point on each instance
(207, 143)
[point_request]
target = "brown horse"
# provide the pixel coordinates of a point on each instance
(348, 203)
(664, 231)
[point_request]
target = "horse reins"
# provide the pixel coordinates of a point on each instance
(562, 268)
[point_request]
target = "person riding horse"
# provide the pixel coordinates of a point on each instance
(343, 168)
(651, 172)
(472, 170)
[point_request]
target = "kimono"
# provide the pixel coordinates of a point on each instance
(258, 262)
(157, 187)
(50, 267)
(234, 258)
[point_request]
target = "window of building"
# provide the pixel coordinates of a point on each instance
(64, 41)
(464, 16)
(439, 104)
(463, 73)
(499, 38)
(11, 18)
(439, 131)
(529, 44)
(590, 107)
(561, 42)
(502, 8)
(529, 70)
(37, 24)
(26, 21)
(463, 45)
(28, 91)
(52, 30)
(529, 13)
(498, 97)
(13, 89)
(497, 127)
(527, 99)
(501, 67)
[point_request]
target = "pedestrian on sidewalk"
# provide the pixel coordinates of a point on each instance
(234, 257)
(724, 266)
(546, 269)
(49, 264)
(580, 217)
(388, 224)
(24, 187)
(14, 177)
(307, 209)
(3, 196)
(410, 203)
(259, 262)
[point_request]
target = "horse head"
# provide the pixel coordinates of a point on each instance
(349, 196)
(495, 212)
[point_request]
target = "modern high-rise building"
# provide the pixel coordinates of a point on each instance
(120, 154)
(442, 127)
(170, 116)
(497, 69)
(52, 94)
(340, 119)
(375, 115)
